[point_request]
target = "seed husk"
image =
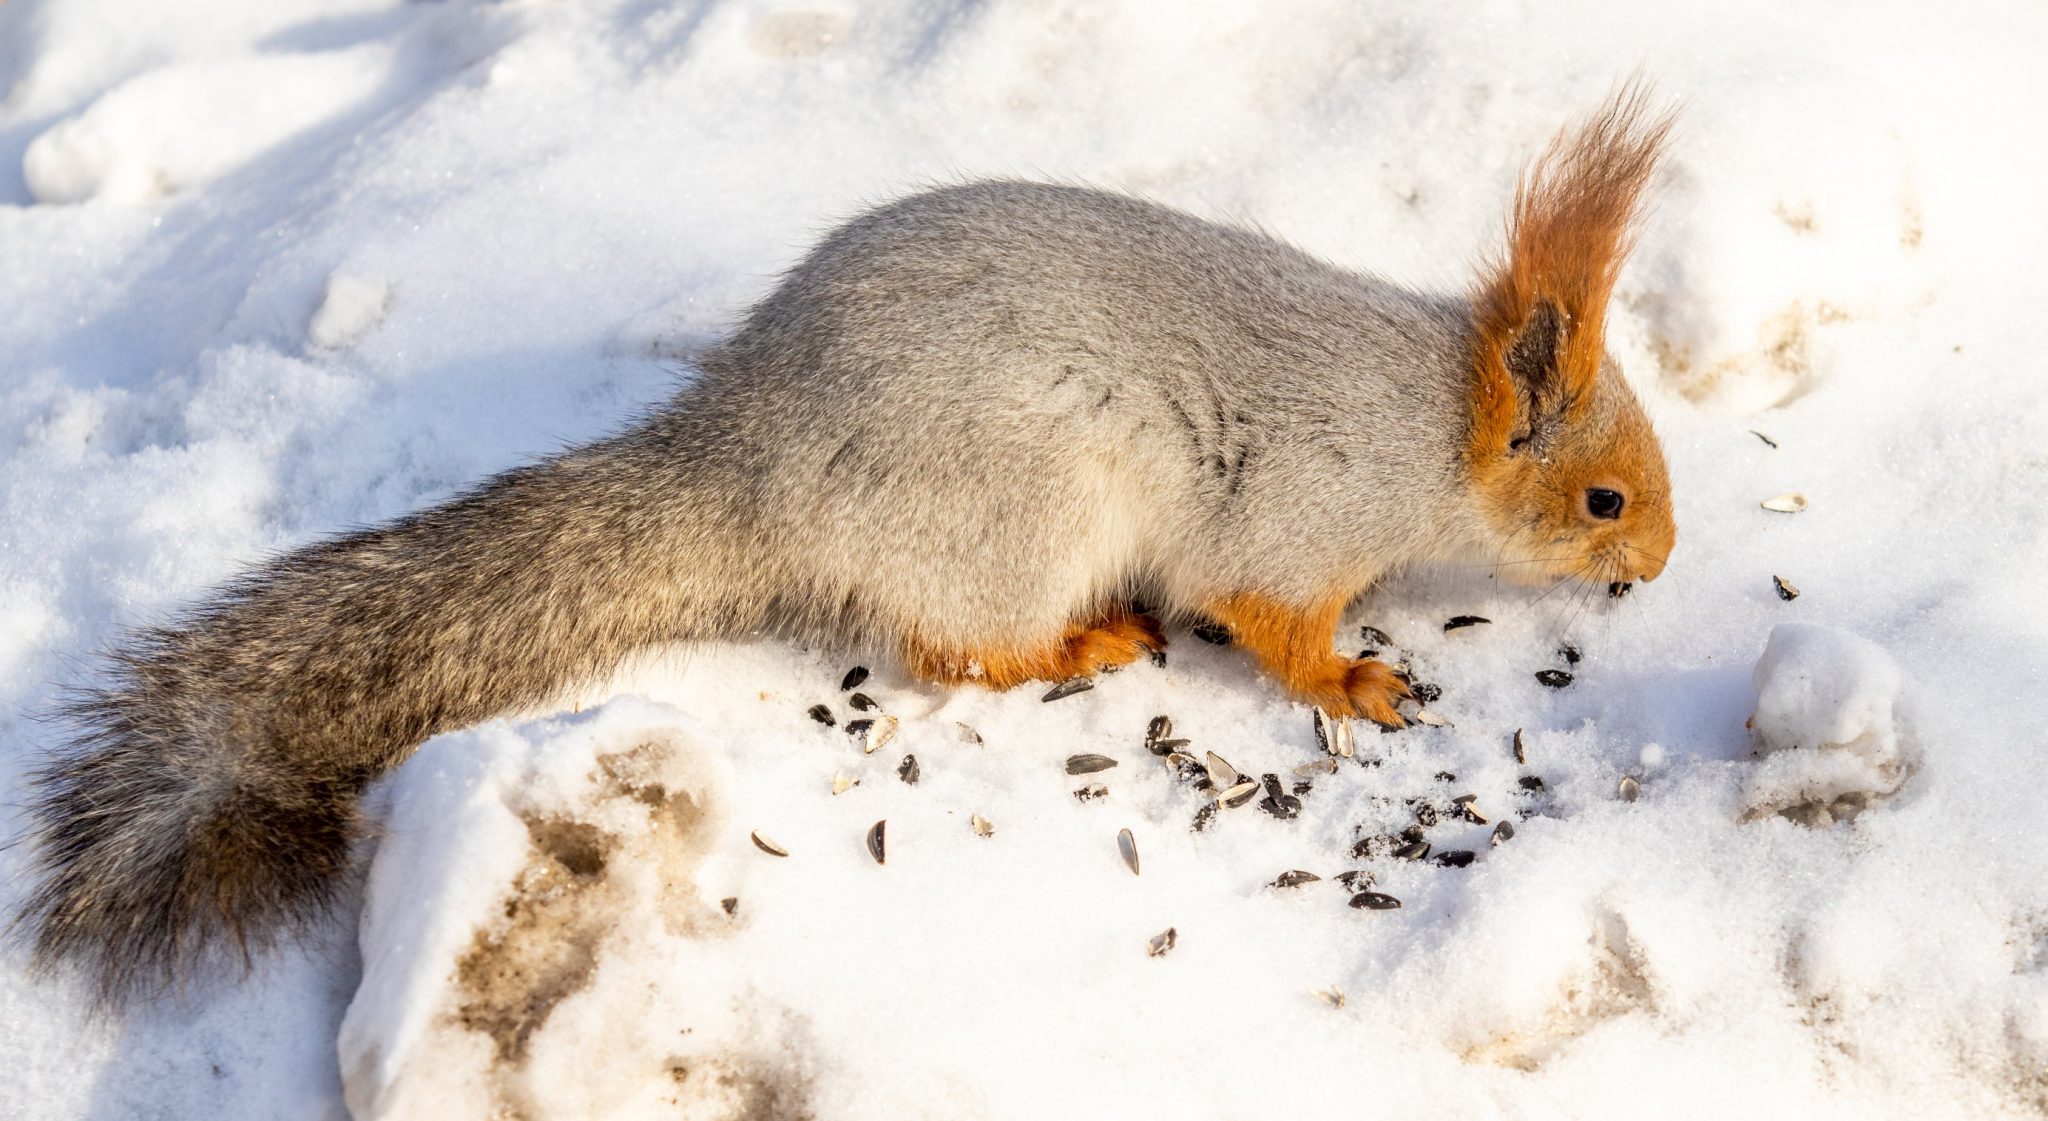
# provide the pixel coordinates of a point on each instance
(1425, 692)
(1160, 728)
(1530, 783)
(1521, 755)
(1091, 792)
(1375, 636)
(767, 846)
(1786, 591)
(1162, 942)
(1319, 767)
(1204, 816)
(1332, 996)
(874, 733)
(1215, 634)
(1326, 737)
(1239, 794)
(1460, 622)
(1555, 678)
(1630, 788)
(1413, 850)
(1790, 502)
(909, 771)
(1068, 688)
(1221, 772)
(731, 905)
(1425, 815)
(863, 702)
(841, 782)
(1471, 811)
(982, 827)
(1425, 716)
(854, 678)
(877, 843)
(1505, 831)
(968, 734)
(1088, 764)
(1375, 901)
(823, 715)
(1127, 845)
(1294, 878)
(1454, 858)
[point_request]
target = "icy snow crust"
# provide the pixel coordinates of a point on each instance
(275, 269)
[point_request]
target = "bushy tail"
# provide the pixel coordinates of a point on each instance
(209, 801)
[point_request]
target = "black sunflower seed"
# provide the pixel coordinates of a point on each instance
(1424, 692)
(1570, 653)
(908, 770)
(1068, 688)
(1531, 783)
(1619, 589)
(1459, 622)
(858, 727)
(1204, 816)
(1088, 764)
(863, 702)
(1414, 850)
(1521, 755)
(823, 715)
(1295, 878)
(854, 678)
(1375, 901)
(1215, 634)
(1453, 858)
(1555, 678)
(1375, 636)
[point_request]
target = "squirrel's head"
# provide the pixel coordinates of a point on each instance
(1567, 472)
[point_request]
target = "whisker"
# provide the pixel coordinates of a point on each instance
(1537, 560)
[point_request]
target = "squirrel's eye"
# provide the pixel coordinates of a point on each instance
(1603, 503)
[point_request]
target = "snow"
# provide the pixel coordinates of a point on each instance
(276, 269)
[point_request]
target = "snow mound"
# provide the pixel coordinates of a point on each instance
(352, 306)
(1827, 723)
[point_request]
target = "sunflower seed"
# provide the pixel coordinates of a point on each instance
(1368, 847)
(1166, 747)
(863, 702)
(1158, 657)
(1091, 792)
(1161, 942)
(1502, 832)
(1215, 634)
(1294, 878)
(1570, 653)
(982, 828)
(859, 727)
(1413, 850)
(1358, 879)
(1555, 678)
(1791, 502)
(1425, 814)
(1278, 802)
(1332, 996)
(1630, 788)
(908, 770)
(877, 847)
(730, 905)
(1424, 692)
(1424, 716)
(822, 715)
(1521, 756)
(879, 731)
(1346, 749)
(1375, 636)
(1453, 858)
(841, 783)
(1530, 783)
(767, 846)
(1221, 772)
(1326, 734)
(1239, 794)
(854, 678)
(1471, 811)
(1460, 622)
(1160, 728)
(1319, 767)
(1068, 688)
(1086, 764)
(1204, 816)
(1128, 846)
(1375, 901)
(967, 734)
(1786, 591)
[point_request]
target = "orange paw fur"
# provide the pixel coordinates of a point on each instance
(1117, 638)
(1293, 645)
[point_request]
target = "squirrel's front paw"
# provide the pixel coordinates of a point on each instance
(1363, 687)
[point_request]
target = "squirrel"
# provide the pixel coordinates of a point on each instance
(974, 427)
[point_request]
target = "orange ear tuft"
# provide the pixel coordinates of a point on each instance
(1540, 314)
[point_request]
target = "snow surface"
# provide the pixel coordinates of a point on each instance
(278, 268)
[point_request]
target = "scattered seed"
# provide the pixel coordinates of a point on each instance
(1521, 756)
(982, 827)
(1215, 634)
(768, 846)
(1278, 801)
(1158, 657)
(1425, 815)
(1764, 438)
(1091, 792)
(1204, 816)
(1367, 847)
(1424, 716)
(1167, 747)
(1068, 688)
(1454, 858)
(877, 732)
(877, 846)
(1555, 678)
(1471, 811)
(1570, 653)
(1425, 692)
(1460, 622)
(1302, 787)
(1294, 878)
(1503, 832)
(1238, 794)
(967, 734)
(731, 905)
(1413, 850)
(1087, 764)
(1630, 788)
(859, 727)
(1375, 636)
(1446, 776)
(841, 783)
(1618, 589)
(1531, 783)
(1221, 773)
(908, 770)
(1160, 728)
(1319, 767)
(1412, 833)
(1326, 732)
(1128, 846)
(1358, 879)
(1791, 502)
(854, 678)
(1375, 901)
(863, 702)
(1345, 747)
(1162, 942)
(1786, 591)
(1332, 996)
(823, 715)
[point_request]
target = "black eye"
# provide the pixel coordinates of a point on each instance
(1603, 503)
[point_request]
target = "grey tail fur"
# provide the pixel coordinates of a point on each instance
(208, 803)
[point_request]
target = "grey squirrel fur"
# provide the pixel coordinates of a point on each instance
(969, 421)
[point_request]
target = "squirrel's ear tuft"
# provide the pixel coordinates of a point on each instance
(1540, 312)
